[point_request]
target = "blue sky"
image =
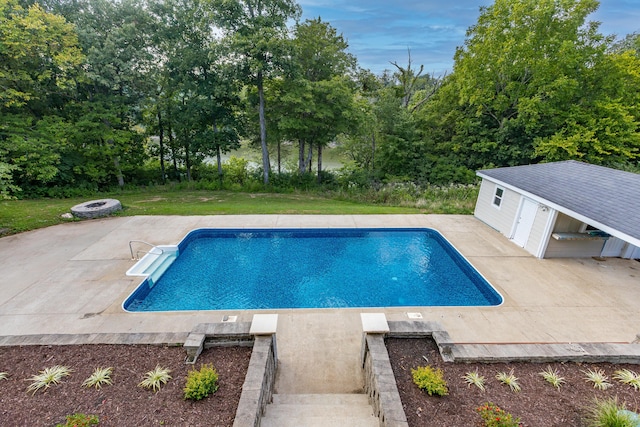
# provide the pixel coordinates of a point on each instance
(380, 31)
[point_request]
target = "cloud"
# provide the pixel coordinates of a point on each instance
(380, 31)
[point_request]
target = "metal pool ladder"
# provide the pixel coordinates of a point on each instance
(137, 254)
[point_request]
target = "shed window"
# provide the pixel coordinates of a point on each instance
(497, 197)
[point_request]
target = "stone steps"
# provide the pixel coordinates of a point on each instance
(311, 410)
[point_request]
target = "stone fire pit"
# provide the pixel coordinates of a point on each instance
(96, 208)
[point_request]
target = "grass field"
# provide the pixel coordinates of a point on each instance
(22, 215)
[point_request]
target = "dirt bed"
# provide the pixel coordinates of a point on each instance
(538, 404)
(124, 403)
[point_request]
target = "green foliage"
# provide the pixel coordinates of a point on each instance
(86, 102)
(98, 378)
(48, 377)
(202, 383)
(551, 92)
(552, 377)
(430, 380)
(474, 378)
(510, 380)
(256, 32)
(598, 378)
(7, 188)
(608, 413)
(493, 416)
(39, 64)
(155, 379)
(235, 170)
(628, 377)
(80, 420)
(39, 53)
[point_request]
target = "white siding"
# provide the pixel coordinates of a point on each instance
(499, 218)
(503, 219)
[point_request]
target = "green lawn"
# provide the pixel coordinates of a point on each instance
(23, 215)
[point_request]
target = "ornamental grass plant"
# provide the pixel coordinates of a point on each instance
(155, 379)
(608, 413)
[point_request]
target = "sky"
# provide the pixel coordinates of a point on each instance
(382, 31)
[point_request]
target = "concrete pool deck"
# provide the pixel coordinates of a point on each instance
(70, 279)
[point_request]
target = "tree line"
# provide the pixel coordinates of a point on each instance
(96, 94)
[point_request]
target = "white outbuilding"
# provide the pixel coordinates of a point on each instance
(563, 209)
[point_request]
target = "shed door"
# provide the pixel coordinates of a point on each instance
(524, 223)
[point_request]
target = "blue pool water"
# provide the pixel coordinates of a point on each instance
(219, 269)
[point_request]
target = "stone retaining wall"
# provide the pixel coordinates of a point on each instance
(380, 384)
(257, 390)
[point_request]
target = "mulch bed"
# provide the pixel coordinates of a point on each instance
(538, 404)
(124, 403)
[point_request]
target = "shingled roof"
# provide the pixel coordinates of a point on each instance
(605, 198)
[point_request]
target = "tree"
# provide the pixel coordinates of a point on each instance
(604, 126)
(39, 64)
(115, 36)
(521, 61)
(630, 42)
(534, 77)
(316, 100)
(257, 30)
(198, 85)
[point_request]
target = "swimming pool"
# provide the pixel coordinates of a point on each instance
(238, 269)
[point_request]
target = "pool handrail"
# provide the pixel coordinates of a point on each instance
(137, 254)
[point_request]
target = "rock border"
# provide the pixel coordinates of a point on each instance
(96, 208)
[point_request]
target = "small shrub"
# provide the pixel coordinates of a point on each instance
(235, 170)
(474, 378)
(430, 380)
(202, 383)
(47, 377)
(552, 377)
(99, 377)
(630, 378)
(510, 380)
(80, 420)
(494, 416)
(598, 378)
(156, 378)
(608, 413)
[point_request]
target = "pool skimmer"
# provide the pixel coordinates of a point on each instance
(414, 315)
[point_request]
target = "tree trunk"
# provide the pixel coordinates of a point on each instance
(187, 159)
(302, 166)
(279, 158)
(263, 130)
(319, 163)
(174, 155)
(116, 163)
(161, 136)
(219, 161)
(310, 158)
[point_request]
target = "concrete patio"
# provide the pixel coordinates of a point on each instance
(70, 279)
